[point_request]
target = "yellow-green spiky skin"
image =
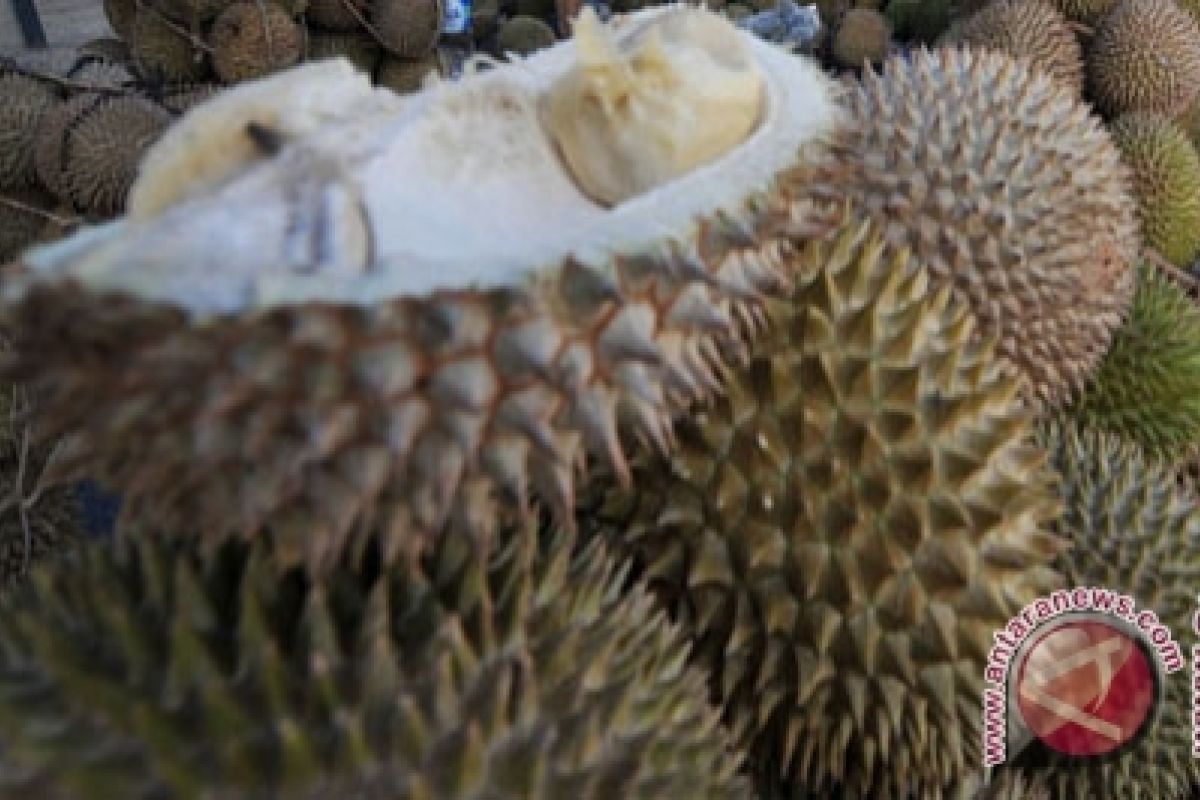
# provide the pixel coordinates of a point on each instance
(1147, 388)
(1030, 29)
(1005, 185)
(1133, 531)
(863, 36)
(251, 39)
(1088, 12)
(165, 51)
(842, 531)
(23, 103)
(1166, 177)
(1145, 56)
(146, 672)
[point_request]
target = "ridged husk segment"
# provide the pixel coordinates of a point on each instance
(1166, 180)
(1133, 531)
(162, 50)
(337, 15)
(530, 672)
(24, 100)
(359, 48)
(1147, 389)
(1145, 56)
(841, 532)
(49, 154)
(408, 28)
(253, 38)
(1005, 185)
(1030, 29)
(102, 148)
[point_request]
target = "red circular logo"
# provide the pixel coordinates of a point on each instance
(1086, 687)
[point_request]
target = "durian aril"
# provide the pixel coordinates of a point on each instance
(469, 355)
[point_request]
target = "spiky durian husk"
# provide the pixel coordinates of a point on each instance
(23, 102)
(1145, 56)
(49, 154)
(1133, 531)
(253, 38)
(163, 50)
(1011, 191)
(530, 672)
(408, 28)
(1166, 173)
(920, 20)
(337, 15)
(102, 148)
(1147, 388)
(1088, 12)
(1030, 29)
(192, 11)
(358, 48)
(841, 534)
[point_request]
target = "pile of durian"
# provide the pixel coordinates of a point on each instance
(657, 416)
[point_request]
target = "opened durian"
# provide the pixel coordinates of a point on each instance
(1011, 191)
(1133, 531)
(24, 100)
(841, 534)
(143, 672)
(1145, 56)
(312, 333)
(253, 38)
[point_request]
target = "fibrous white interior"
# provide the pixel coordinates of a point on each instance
(458, 185)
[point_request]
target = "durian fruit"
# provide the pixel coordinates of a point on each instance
(404, 75)
(1011, 191)
(1087, 12)
(142, 672)
(179, 99)
(408, 28)
(24, 100)
(1031, 29)
(1147, 388)
(1166, 179)
(192, 11)
(253, 38)
(163, 50)
(1132, 531)
(482, 355)
(1145, 56)
(337, 15)
(358, 48)
(49, 154)
(524, 35)
(1011, 784)
(863, 36)
(843, 531)
(919, 20)
(102, 150)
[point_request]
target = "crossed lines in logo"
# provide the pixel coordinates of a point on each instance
(1107, 655)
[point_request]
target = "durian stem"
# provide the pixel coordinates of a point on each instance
(1189, 283)
(349, 6)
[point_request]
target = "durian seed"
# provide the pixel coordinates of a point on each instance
(253, 38)
(408, 28)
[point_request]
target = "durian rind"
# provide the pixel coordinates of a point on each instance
(1005, 185)
(408, 28)
(102, 149)
(1145, 56)
(432, 393)
(358, 48)
(49, 155)
(162, 50)
(1166, 180)
(24, 100)
(842, 532)
(1132, 530)
(333, 15)
(253, 38)
(528, 672)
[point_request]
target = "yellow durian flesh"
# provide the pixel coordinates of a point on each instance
(626, 119)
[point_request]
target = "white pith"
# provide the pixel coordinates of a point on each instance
(462, 186)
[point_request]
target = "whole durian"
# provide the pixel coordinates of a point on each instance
(841, 533)
(1147, 388)
(408, 28)
(141, 671)
(49, 154)
(337, 15)
(524, 35)
(165, 51)
(1134, 531)
(1145, 56)
(409, 369)
(103, 147)
(1011, 191)
(1166, 180)
(1031, 29)
(24, 100)
(863, 36)
(404, 75)
(253, 38)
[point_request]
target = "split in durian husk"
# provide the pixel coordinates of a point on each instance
(24, 100)
(253, 38)
(841, 533)
(919, 20)
(1133, 531)
(102, 149)
(191, 11)
(1088, 12)
(312, 334)
(1145, 56)
(530, 672)
(1147, 388)
(1007, 187)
